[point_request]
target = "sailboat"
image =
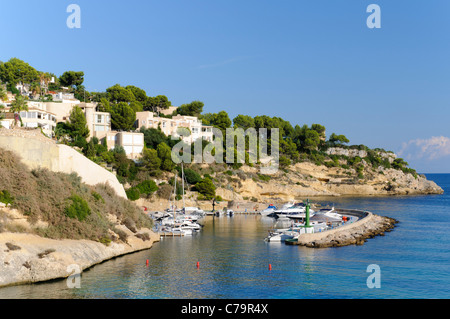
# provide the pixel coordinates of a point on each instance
(186, 222)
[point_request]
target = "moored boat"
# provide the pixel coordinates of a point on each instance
(269, 210)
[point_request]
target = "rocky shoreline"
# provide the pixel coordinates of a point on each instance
(28, 259)
(357, 233)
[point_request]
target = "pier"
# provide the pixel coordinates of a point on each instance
(367, 225)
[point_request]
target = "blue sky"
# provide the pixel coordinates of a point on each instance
(305, 61)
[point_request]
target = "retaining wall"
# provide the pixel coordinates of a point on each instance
(39, 152)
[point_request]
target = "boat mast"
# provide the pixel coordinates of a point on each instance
(174, 196)
(182, 179)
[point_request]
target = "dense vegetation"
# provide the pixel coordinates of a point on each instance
(296, 143)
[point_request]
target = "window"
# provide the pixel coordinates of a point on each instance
(99, 118)
(99, 128)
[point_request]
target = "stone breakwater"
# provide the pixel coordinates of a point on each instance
(27, 259)
(368, 226)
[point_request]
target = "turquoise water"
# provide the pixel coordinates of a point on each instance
(234, 260)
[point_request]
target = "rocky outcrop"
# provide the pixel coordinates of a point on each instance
(349, 152)
(309, 180)
(26, 258)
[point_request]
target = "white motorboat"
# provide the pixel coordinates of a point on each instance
(194, 211)
(269, 210)
(329, 213)
(182, 231)
(188, 225)
(296, 211)
(280, 235)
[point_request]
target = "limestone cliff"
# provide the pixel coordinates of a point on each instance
(308, 180)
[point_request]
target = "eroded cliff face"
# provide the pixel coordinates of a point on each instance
(309, 180)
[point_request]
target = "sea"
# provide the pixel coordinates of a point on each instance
(229, 259)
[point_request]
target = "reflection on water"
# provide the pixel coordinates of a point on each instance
(234, 261)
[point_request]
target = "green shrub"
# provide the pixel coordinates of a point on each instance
(6, 198)
(264, 178)
(206, 188)
(133, 194)
(105, 241)
(192, 177)
(97, 196)
(147, 187)
(200, 197)
(207, 176)
(78, 209)
(284, 161)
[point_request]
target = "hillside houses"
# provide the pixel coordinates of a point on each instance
(46, 115)
(171, 126)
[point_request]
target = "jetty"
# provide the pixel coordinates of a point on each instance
(367, 225)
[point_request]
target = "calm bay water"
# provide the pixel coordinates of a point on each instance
(414, 260)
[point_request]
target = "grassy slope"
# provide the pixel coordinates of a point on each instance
(45, 195)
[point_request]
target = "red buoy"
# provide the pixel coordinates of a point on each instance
(198, 264)
(270, 266)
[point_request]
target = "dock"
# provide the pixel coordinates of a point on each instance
(170, 234)
(362, 225)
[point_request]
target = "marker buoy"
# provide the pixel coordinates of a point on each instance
(270, 266)
(146, 262)
(198, 264)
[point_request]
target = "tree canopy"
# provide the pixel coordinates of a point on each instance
(117, 94)
(71, 78)
(338, 139)
(160, 102)
(194, 108)
(77, 125)
(19, 104)
(220, 120)
(122, 116)
(15, 71)
(244, 121)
